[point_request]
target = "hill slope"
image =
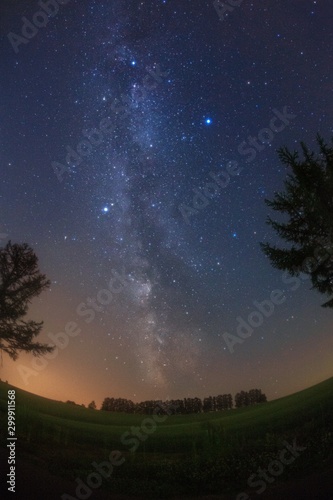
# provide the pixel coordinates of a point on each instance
(217, 451)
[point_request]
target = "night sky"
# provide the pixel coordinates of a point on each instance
(150, 101)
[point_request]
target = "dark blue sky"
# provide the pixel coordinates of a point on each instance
(150, 101)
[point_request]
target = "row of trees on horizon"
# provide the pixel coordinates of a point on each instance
(187, 405)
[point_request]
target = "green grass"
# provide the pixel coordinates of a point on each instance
(207, 452)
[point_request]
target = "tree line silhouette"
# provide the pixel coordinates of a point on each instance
(187, 405)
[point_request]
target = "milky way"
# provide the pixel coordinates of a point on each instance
(121, 120)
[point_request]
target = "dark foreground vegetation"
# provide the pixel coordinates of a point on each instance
(197, 454)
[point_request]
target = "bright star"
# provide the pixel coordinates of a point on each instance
(105, 209)
(208, 121)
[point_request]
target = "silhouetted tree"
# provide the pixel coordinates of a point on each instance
(208, 404)
(106, 404)
(256, 396)
(307, 202)
(92, 405)
(242, 399)
(197, 405)
(219, 402)
(223, 402)
(119, 405)
(20, 281)
(229, 402)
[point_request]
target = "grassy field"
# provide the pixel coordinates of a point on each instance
(185, 454)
